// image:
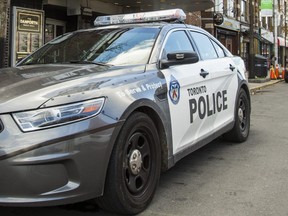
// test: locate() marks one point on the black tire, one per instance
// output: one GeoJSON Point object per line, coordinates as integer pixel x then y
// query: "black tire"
{"type": "Point", "coordinates": [240, 131]}
{"type": "Point", "coordinates": [134, 167]}
{"type": "Point", "coordinates": [286, 77]}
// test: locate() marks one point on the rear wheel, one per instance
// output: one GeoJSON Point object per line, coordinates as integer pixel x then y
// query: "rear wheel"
{"type": "Point", "coordinates": [134, 168]}
{"type": "Point", "coordinates": [240, 131]}
{"type": "Point", "coordinates": [286, 77]}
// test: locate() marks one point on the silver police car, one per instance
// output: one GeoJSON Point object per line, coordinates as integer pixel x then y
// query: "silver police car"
{"type": "Point", "coordinates": [99, 113]}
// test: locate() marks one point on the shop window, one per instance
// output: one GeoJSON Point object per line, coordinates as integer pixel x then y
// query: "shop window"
{"type": "Point", "coordinates": [229, 44]}
{"type": "Point", "coordinates": [53, 29]}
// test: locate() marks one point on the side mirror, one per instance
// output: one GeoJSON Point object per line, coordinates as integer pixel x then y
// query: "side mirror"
{"type": "Point", "coordinates": [179, 59]}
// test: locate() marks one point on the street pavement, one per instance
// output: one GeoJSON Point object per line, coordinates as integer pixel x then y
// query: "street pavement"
{"type": "Point", "coordinates": [259, 83]}
{"type": "Point", "coordinates": [255, 86]}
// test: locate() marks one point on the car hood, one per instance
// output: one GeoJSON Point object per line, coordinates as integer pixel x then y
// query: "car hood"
{"type": "Point", "coordinates": [29, 87]}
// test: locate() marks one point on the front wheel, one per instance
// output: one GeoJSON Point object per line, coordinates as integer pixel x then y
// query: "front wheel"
{"type": "Point", "coordinates": [240, 131]}
{"type": "Point", "coordinates": [134, 168]}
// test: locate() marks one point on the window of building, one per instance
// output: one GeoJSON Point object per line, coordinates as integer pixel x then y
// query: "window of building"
{"type": "Point", "coordinates": [244, 10]}
{"type": "Point", "coordinates": [54, 28]}
{"type": "Point", "coordinates": [226, 7]}
{"type": "Point", "coordinates": [230, 8]}
{"type": "Point", "coordinates": [219, 6]}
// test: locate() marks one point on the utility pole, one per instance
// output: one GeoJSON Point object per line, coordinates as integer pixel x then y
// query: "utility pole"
{"type": "Point", "coordinates": [4, 45]}
{"type": "Point", "coordinates": [251, 35]}
{"type": "Point", "coordinates": [285, 24]}
{"type": "Point", "coordinates": [3, 23]}
{"type": "Point", "coordinates": [275, 30]}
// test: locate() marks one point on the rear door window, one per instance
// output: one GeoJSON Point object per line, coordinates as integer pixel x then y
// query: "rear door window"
{"type": "Point", "coordinates": [205, 46]}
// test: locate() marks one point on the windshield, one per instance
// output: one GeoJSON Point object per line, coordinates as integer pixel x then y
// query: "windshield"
{"type": "Point", "coordinates": [124, 46]}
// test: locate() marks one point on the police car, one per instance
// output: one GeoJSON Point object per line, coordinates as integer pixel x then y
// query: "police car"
{"type": "Point", "coordinates": [99, 113]}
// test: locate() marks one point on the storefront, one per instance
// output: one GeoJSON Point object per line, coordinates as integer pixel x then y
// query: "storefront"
{"type": "Point", "coordinates": [262, 43]}
{"type": "Point", "coordinates": [228, 34]}
{"type": "Point", "coordinates": [266, 47]}
{"type": "Point", "coordinates": [281, 51]}
{"type": "Point", "coordinates": [32, 23]}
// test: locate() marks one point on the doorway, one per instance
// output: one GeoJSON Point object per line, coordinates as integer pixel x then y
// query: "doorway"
{"type": "Point", "coordinates": [54, 28]}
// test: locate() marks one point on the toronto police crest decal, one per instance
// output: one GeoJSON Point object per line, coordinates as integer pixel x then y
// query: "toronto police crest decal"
{"type": "Point", "coordinates": [174, 91]}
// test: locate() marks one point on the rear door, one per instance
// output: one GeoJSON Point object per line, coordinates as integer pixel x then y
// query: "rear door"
{"type": "Point", "coordinates": [223, 75]}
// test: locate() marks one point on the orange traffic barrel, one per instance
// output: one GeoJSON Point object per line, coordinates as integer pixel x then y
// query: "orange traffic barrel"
{"type": "Point", "coordinates": [277, 71]}
{"type": "Point", "coordinates": [272, 73]}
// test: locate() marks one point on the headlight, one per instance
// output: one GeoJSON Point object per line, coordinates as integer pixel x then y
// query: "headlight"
{"type": "Point", "coordinates": [55, 116]}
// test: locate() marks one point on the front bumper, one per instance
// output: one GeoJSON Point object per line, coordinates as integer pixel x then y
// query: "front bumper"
{"type": "Point", "coordinates": [54, 166]}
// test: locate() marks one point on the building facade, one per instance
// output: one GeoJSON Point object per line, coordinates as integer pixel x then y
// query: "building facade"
{"type": "Point", "coordinates": [240, 29]}
{"type": "Point", "coordinates": [28, 24]}
{"type": "Point", "coordinates": [244, 29]}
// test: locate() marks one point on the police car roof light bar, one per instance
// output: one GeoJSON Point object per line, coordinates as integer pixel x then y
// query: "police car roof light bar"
{"type": "Point", "coordinates": [153, 16]}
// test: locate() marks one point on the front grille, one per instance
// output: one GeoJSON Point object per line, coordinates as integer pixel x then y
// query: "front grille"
{"type": "Point", "coordinates": [1, 126]}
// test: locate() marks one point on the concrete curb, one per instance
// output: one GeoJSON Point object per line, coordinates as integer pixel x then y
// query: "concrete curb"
{"type": "Point", "coordinates": [259, 86]}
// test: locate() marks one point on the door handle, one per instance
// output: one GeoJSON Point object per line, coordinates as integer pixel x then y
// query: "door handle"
{"type": "Point", "coordinates": [204, 73]}
{"type": "Point", "coordinates": [232, 67]}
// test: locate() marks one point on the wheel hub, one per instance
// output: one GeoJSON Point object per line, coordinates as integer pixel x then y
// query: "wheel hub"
{"type": "Point", "coordinates": [135, 162]}
{"type": "Point", "coordinates": [240, 114]}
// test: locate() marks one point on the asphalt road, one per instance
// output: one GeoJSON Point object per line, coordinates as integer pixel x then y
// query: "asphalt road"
{"type": "Point", "coordinates": [223, 178]}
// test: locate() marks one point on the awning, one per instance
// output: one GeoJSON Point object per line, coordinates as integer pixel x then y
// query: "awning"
{"type": "Point", "coordinates": [281, 42]}
{"type": "Point", "coordinates": [230, 24]}
{"type": "Point", "coordinates": [267, 36]}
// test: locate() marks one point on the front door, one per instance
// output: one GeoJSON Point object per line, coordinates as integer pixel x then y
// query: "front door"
{"type": "Point", "coordinates": [187, 90]}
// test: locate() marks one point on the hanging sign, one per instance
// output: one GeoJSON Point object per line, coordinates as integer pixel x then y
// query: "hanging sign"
{"type": "Point", "coordinates": [218, 18]}
{"type": "Point", "coordinates": [266, 8]}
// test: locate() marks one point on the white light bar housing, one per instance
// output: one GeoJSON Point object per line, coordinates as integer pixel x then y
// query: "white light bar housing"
{"type": "Point", "coordinates": [153, 16]}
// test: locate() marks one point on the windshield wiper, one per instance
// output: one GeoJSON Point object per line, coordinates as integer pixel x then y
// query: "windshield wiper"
{"type": "Point", "coordinates": [88, 62]}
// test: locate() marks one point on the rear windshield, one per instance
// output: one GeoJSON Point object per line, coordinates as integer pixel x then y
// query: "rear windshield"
{"type": "Point", "coordinates": [125, 46]}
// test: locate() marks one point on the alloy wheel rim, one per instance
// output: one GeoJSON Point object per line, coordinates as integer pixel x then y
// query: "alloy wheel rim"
{"type": "Point", "coordinates": [242, 114]}
{"type": "Point", "coordinates": [137, 165]}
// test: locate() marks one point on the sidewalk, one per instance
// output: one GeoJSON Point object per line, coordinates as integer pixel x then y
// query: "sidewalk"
{"type": "Point", "coordinates": [255, 86]}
